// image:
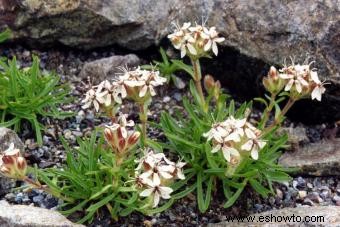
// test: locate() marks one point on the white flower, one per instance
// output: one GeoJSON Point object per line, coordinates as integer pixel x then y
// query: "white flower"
{"type": "Point", "coordinates": [157, 191]}
{"type": "Point", "coordinates": [121, 124]}
{"type": "Point", "coordinates": [254, 145]}
{"type": "Point", "coordinates": [294, 80]}
{"type": "Point", "coordinates": [197, 40]}
{"type": "Point", "coordinates": [179, 170]}
{"type": "Point", "coordinates": [213, 39]}
{"type": "Point", "coordinates": [155, 172]}
{"type": "Point", "coordinates": [319, 88]}
{"type": "Point", "coordinates": [233, 134]}
{"type": "Point", "coordinates": [92, 98]}
{"type": "Point", "coordinates": [139, 82]}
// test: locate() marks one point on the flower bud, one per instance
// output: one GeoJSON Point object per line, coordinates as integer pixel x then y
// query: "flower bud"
{"type": "Point", "coordinates": [133, 138]}
{"type": "Point", "coordinates": [273, 83]}
{"type": "Point", "coordinates": [209, 83]}
{"type": "Point", "coordinates": [12, 165]}
{"type": "Point", "coordinates": [108, 135]}
{"type": "Point", "coordinates": [273, 73]}
{"type": "Point", "coordinates": [22, 165]}
{"type": "Point", "coordinates": [217, 89]}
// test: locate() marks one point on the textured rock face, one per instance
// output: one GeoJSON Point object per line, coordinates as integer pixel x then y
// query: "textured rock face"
{"type": "Point", "coordinates": [268, 30]}
{"type": "Point", "coordinates": [318, 159]}
{"type": "Point", "coordinates": [21, 215]}
{"type": "Point", "coordinates": [106, 68]}
{"type": "Point", "coordinates": [313, 216]}
{"type": "Point", "coordinates": [7, 136]}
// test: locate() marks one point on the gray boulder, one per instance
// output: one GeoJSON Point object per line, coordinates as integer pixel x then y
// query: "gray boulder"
{"type": "Point", "coordinates": [22, 215]}
{"type": "Point", "coordinates": [318, 159]}
{"type": "Point", "coordinates": [106, 68]}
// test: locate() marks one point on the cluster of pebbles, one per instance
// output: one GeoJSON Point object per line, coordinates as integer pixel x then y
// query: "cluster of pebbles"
{"type": "Point", "coordinates": [302, 191]}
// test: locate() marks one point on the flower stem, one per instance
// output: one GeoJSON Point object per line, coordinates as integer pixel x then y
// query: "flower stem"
{"type": "Point", "coordinates": [143, 119]}
{"type": "Point", "coordinates": [278, 120]}
{"type": "Point", "coordinates": [197, 78]}
{"type": "Point", "coordinates": [268, 110]}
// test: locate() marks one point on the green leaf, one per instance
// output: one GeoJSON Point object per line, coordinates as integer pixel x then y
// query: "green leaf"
{"type": "Point", "coordinates": [99, 193]}
{"type": "Point", "coordinates": [277, 176]}
{"type": "Point", "coordinates": [258, 187]}
{"type": "Point", "coordinates": [235, 196]}
{"type": "Point", "coordinates": [101, 203]}
{"type": "Point", "coordinates": [183, 66]}
{"type": "Point", "coordinates": [5, 35]}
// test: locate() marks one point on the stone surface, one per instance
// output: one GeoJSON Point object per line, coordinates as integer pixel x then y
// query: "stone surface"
{"type": "Point", "coordinates": [318, 159]}
{"type": "Point", "coordinates": [21, 215]}
{"type": "Point", "coordinates": [320, 216]}
{"type": "Point", "coordinates": [8, 136]}
{"type": "Point", "coordinates": [106, 68]}
{"type": "Point", "coordinates": [268, 30]}
{"type": "Point", "coordinates": [296, 136]}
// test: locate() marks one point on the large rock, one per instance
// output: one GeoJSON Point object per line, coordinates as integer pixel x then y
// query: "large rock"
{"type": "Point", "coordinates": [299, 216]}
{"type": "Point", "coordinates": [268, 30]}
{"type": "Point", "coordinates": [106, 68]}
{"type": "Point", "coordinates": [22, 216]}
{"type": "Point", "coordinates": [318, 159]}
{"type": "Point", "coordinates": [8, 136]}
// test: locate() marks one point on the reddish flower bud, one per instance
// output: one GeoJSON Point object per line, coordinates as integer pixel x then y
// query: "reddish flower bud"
{"type": "Point", "coordinates": [209, 83]}
{"type": "Point", "coordinates": [108, 135]}
{"type": "Point", "coordinates": [22, 164]}
{"type": "Point", "coordinates": [122, 143]}
{"type": "Point", "coordinates": [273, 73]}
{"type": "Point", "coordinates": [133, 138]}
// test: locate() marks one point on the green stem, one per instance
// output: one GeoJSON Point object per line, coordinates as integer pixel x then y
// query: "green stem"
{"type": "Point", "coordinates": [278, 120]}
{"type": "Point", "coordinates": [268, 110]}
{"type": "Point", "coordinates": [143, 118]}
{"type": "Point", "coordinates": [197, 78]}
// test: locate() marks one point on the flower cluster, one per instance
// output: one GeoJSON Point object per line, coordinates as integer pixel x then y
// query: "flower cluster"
{"type": "Point", "coordinates": [196, 41]}
{"type": "Point", "coordinates": [154, 173]}
{"type": "Point", "coordinates": [299, 80]}
{"type": "Point", "coordinates": [139, 84]}
{"type": "Point", "coordinates": [119, 138]}
{"type": "Point", "coordinates": [235, 137]}
{"type": "Point", "coordinates": [103, 96]}
{"type": "Point", "coordinates": [12, 164]}
{"type": "Point", "coordinates": [136, 84]}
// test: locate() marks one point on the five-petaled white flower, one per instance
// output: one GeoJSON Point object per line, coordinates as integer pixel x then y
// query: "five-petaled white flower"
{"type": "Point", "coordinates": [157, 191]}
{"type": "Point", "coordinates": [212, 40]}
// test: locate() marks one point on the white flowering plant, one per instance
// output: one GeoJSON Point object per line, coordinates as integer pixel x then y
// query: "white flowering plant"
{"type": "Point", "coordinates": [119, 168]}
{"type": "Point", "coordinates": [214, 144]}
{"type": "Point", "coordinates": [223, 146]}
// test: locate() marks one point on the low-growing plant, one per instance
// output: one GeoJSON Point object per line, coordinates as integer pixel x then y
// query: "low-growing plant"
{"type": "Point", "coordinates": [219, 145]}
{"type": "Point", "coordinates": [219, 142]}
{"type": "Point", "coordinates": [28, 94]}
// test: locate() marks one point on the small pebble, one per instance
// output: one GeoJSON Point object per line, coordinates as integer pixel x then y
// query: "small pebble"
{"type": "Point", "coordinates": [166, 99]}
{"type": "Point", "coordinates": [302, 194]}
